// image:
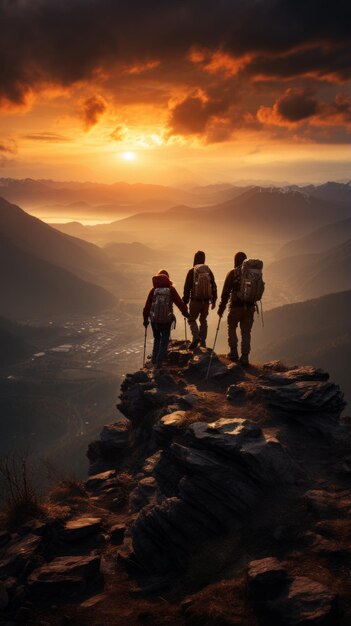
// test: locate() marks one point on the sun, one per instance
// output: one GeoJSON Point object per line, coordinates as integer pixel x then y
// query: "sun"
{"type": "Point", "coordinates": [128, 156]}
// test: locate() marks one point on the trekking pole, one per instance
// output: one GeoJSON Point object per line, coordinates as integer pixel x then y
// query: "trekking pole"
{"type": "Point", "coordinates": [186, 334]}
{"type": "Point", "coordinates": [214, 343]}
{"type": "Point", "coordinates": [262, 314]}
{"type": "Point", "coordinates": [144, 357]}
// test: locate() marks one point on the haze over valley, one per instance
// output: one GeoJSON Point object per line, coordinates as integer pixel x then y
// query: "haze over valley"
{"type": "Point", "coordinates": [72, 293]}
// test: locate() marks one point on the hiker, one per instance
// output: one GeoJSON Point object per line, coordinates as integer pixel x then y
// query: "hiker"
{"type": "Point", "coordinates": [159, 308]}
{"type": "Point", "coordinates": [200, 289]}
{"type": "Point", "coordinates": [244, 294]}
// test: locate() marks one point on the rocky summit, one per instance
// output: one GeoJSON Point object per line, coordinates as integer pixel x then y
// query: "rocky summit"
{"type": "Point", "coordinates": [218, 497]}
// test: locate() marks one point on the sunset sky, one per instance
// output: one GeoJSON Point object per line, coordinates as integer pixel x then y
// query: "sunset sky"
{"type": "Point", "coordinates": [175, 92]}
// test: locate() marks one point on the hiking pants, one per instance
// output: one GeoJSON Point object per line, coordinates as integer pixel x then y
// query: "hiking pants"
{"type": "Point", "coordinates": [243, 315]}
{"type": "Point", "coordinates": [198, 308]}
{"type": "Point", "coordinates": [161, 334]}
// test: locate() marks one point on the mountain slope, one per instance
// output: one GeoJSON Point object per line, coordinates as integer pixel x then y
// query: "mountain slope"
{"type": "Point", "coordinates": [32, 287]}
{"type": "Point", "coordinates": [275, 210]}
{"type": "Point", "coordinates": [35, 237]}
{"type": "Point", "coordinates": [318, 240]}
{"type": "Point", "coordinates": [134, 253]}
{"type": "Point", "coordinates": [13, 345]}
{"type": "Point", "coordinates": [313, 275]}
{"type": "Point", "coordinates": [315, 331]}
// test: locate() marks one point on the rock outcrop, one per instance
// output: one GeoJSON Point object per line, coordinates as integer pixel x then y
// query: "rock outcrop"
{"type": "Point", "coordinates": [240, 476]}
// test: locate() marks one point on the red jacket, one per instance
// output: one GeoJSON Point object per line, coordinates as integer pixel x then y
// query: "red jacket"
{"type": "Point", "coordinates": [162, 281]}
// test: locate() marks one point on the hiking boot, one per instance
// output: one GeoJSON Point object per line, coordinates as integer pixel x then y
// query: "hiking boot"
{"type": "Point", "coordinates": [244, 360]}
{"type": "Point", "coordinates": [195, 342]}
{"type": "Point", "coordinates": [233, 356]}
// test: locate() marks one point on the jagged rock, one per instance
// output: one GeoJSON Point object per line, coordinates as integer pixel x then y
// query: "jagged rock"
{"type": "Point", "coordinates": [168, 427]}
{"type": "Point", "coordinates": [323, 502]}
{"type": "Point", "coordinates": [305, 397]}
{"type": "Point", "coordinates": [81, 528]}
{"type": "Point", "coordinates": [223, 434]}
{"type": "Point", "coordinates": [4, 596]}
{"type": "Point", "coordinates": [200, 362]}
{"type": "Point", "coordinates": [320, 545]}
{"type": "Point", "coordinates": [154, 398]}
{"type": "Point", "coordinates": [235, 391]}
{"type": "Point", "coordinates": [98, 480]}
{"type": "Point", "coordinates": [37, 527]}
{"type": "Point", "coordinates": [115, 436]}
{"type": "Point", "coordinates": [94, 601]}
{"type": "Point", "coordinates": [191, 399]}
{"type": "Point", "coordinates": [306, 602]}
{"type": "Point", "coordinates": [277, 366]}
{"type": "Point", "coordinates": [151, 462]}
{"type": "Point", "coordinates": [5, 537]}
{"type": "Point", "coordinates": [179, 357]}
{"type": "Point", "coordinates": [140, 496]}
{"type": "Point", "coordinates": [297, 374]}
{"type": "Point", "coordinates": [65, 574]}
{"type": "Point", "coordinates": [110, 449]}
{"type": "Point", "coordinates": [117, 533]}
{"type": "Point", "coordinates": [267, 578]}
{"type": "Point", "coordinates": [132, 403]}
{"type": "Point", "coordinates": [17, 554]}
{"type": "Point", "coordinates": [142, 376]}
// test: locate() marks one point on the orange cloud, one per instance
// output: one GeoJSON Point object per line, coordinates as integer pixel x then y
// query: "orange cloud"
{"type": "Point", "coordinates": [296, 106]}
{"type": "Point", "coordinates": [91, 110]}
{"type": "Point", "coordinates": [219, 61]}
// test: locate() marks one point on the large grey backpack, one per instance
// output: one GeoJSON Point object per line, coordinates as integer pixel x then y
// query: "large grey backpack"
{"type": "Point", "coordinates": [202, 285]}
{"type": "Point", "coordinates": [251, 281]}
{"type": "Point", "coordinates": [161, 306]}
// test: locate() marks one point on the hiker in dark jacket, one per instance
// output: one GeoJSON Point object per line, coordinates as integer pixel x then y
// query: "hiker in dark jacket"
{"type": "Point", "coordinates": [159, 308]}
{"type": "Point", "coordinates": [199, 298]}
{"type": "Point", "coordinates": [239, 313]}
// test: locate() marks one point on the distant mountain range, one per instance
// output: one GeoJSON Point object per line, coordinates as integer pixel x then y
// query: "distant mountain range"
{"type": "Point", "coordinates": [86, 199]}
{"type": "Point", "coordinates": [134, 253]}
{"type": "Point", "coordinates": [257, 212]}
{"type": "Point", "coordinates": [76, 200]}
{"type": "Point", "coordinates": [315, 331]}
{"type": "Point", "coordinates": [318, 240]}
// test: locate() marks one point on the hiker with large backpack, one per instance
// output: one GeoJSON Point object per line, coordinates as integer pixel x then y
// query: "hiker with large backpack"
{"type": "Point", "coordinates": [244, 287]}
{"type": "Point", "coordinates": [200, 290]}
{"type": "Point", "coordinates": [159, 309]}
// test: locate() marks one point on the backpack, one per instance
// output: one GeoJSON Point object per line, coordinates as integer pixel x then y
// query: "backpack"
{"type": "Point", "coordinates": [251, 285]}
{"type": "Point", "coordinates": [202, 285]}
{"type": "Point", "coordinates": [161, 307]}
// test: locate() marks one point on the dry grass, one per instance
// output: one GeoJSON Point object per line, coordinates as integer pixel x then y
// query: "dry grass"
{"type": "Point", "coordinates": [67, 491]}
{"type": "Point", "coordinates": [224, 602]}
{"type": "Point", "coordinates": [21, 502]}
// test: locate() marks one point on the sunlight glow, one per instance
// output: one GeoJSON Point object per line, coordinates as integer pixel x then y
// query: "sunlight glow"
{"type": "Point", "coordinates": [129, 156]}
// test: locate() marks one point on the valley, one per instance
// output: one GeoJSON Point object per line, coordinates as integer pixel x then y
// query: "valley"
{"type": "Point", "coordinates": [55, 400]}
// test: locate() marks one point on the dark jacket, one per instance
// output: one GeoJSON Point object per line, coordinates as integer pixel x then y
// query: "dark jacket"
{"type": "Point", "coordinates": [188, 285]}
{"type": "Point", "coordinates": [230, 288]}
{"type": "Point", "coordinates": [162, 281]}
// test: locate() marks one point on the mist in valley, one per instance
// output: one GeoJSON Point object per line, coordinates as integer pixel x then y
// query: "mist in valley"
{"type": "Point", "coordinates": [73, 295]}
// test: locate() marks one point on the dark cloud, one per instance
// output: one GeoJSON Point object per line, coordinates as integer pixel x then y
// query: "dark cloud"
{"type": "Point", "coordinates": [91, 110]}
{"type": "Point", "coordinates": [337, 113]}
{"type": "Point", "coordinates": [295, 105]}
{"type": "Point", "coordinates": [47, 137]}
{"type": "Point", "coordinates": [46, 41]}
{"type": "Point", "coordinates": [191, 116]}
